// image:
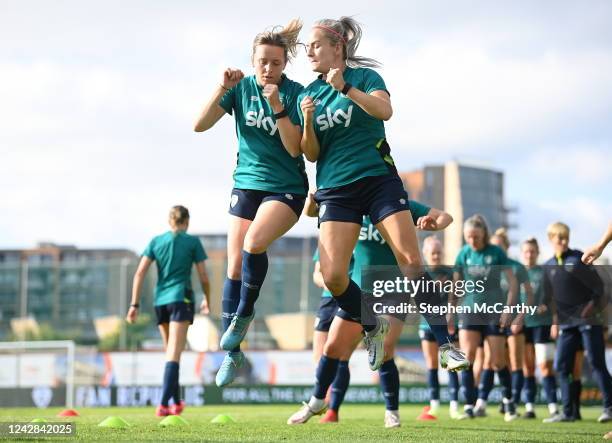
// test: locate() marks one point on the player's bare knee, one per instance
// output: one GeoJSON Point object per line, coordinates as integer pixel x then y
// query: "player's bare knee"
{"type": "Point", "coordinates": [333, 349]}
{"type": "Point", "coordinates": [407, 258]}
{"type": "Point", "coordinates": [255, 243]}
{"type": "Point", "coordinates": [335, 282]}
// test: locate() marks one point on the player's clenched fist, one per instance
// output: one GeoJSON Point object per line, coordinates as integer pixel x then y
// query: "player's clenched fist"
{"type": "Point", "coordinates": [231, 77]}
{"type": "Point", "coordinates": [270, 92]}
{"type": "Point", "coordinates": [335, 79]}
{"type": "Point", "coordinates": [308, 107]}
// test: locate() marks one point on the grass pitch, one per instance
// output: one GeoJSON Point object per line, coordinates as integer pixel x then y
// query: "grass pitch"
{"type": "Point", "coordinates": [357, 423]}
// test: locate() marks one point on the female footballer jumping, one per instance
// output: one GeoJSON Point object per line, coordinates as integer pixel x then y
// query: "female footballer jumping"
{"type": "Point", "coordinates": [270, 183]}
{"type": "Point", "coordinates": [342, 114]}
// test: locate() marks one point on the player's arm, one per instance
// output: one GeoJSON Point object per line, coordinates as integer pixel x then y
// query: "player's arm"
{"type": "Point", "coordinates": [377, 103]}
{"type": "Point", "coordinates": [435, 220]}
{"type": "Point", "coordinates": [309, 143]}
{"type": "Point", "coordinates": [512, 294]}
{"type": "Point", "coordinates": [549, 300]}
{"type": "Point", "coordinates": [530, 302]}
{"type": "Point", "coordinates": [212, 111]}
{"type": "Point", "coordinates": [290, 134]}
{"type": "Point", "coordinates": [593, 253]}
{"type": "Point", "coordinates": [139, 276]}
{"type": "Point", "coordinates": [205, 282]}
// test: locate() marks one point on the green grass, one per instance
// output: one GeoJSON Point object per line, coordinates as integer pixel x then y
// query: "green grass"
{"type": "Point", "coordinates": [358, 423]}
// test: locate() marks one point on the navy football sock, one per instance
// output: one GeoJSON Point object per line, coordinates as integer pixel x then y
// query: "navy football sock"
{"type": "Point", "coordinates": [168, 387]}
{"type": "Point", "coordinates": [350, 301]}
{"type": "Point", "coordinates": [453, 386]}
{"type": "Point", "coordinates": [505, 380]}
{"type": "Point", "coordinates": [530, 389]}
{"type": "Point", "coordinates": [487, 377]}
{"type": "Point", "coordinates": [434, 384]}
{"type": "Point", "coordinates": [229, 303]}
{"type": "Point", "coordinates": [518, 380]}
{"type": "Point", "coordinates": [326, 372]}
{"type": "Point", "coordinates": [254, 269]}
{"type": "Point", "coordinates": [340, 385]}
{"type": "Point", "coordinates": [389, 382]}
{"type": "Point", "coordinates": [467, 386]}
{"type": "Point", "coordinates": [550, 388]}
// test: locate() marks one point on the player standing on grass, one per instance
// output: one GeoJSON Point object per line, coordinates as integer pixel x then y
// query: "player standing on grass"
{"type": "Point", "coordinates": [516, 337]}
{"type": "Point", "coordinates": [577, 290]}
{"type": "Point", "coordinates": [174, 252]}
{"type": "Point", "coordinates": [343, 113]}
{"type": "Point", "coordinates": [540, 333]}
{"type": "Point", "coordinates": [480, 261]}
{"type": "Point", "coordinates": [345, 332]}
{"type": "Point", "coordinates": [270, 183]}
{"type": "Point", "coordinates": [433, 254]}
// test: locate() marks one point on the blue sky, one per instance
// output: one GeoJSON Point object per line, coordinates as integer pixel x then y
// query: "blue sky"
{"type": "Point", "coordinates": [98, 101]}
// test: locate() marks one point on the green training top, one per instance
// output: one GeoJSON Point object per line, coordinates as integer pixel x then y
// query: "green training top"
{"type": "Point", "coordinates": [351, 140]}
{"type": "Point", "coordinates": [485, 265]}
{"type": "Point", "coordinates": [536, 278]}
{"type": "Point", "coordinates": [520, 273]}
{"type": "Point", "coordinates": [263, 162]}
{"type": "Point", "coordinates": [174, 254]}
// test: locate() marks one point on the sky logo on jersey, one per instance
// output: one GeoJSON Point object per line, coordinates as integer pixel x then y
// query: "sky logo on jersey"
{"type": "Point", "coordinates": [339, 117]}
{"type": "Point", "coordinates": [370, 233]}
{"type": "Point", "coordinates": [259, 120]}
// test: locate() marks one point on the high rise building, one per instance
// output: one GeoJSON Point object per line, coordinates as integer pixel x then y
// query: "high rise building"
{"type": "Point", "coordinates": [461, 190]}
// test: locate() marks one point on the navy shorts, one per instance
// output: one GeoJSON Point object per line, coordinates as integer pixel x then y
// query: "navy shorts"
{"type": "Point", "coordinates": [345, 315]}
{"type": "Point", "coordinates": [537, 334]}
{"type": "Point", "coordinates": [486, 330]}
{"type": "Point", "coordinates": [178, 311]}
{"type": "Point", "coordinates": [245, 202]}
{"type": "Point", "coordinates": [378, 196]}
{"type": "Point", "coordinates": [326, 313]}
{"type": "Point", "coordinates": [427, 335]}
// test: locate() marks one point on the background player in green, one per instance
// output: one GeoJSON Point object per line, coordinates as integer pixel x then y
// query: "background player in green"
{"type": "Point", "coordinates": [343, 113]}
{"type": "Point", "coordinates": [345, 332]}
{"type": "Point", "coordinates": [174, 252]}
{"type": "Point", "coordinates": [433, 254]}
{"type": "Point", "coordinates": [540, 333]}
{"type": "Point", "coordinates": [270, 183]}
{"type": "Point", "coordinates": [515, 350]}
{"type": "Point", "coordinates": [479, 261]}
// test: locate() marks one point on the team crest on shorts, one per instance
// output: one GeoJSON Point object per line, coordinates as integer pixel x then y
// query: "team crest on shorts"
{"type": "Point", "coordinates": [403, 201]}
{"type": "Point", "coordinates": [322, 210]}
{"type": "Point", "coordinates": [289, 196]}
{"type": "Point", "coordinates": [234, 200]}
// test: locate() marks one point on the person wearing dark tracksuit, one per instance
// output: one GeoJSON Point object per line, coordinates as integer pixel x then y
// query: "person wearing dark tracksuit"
{"type": "Point", "coordinates": [577, 291]}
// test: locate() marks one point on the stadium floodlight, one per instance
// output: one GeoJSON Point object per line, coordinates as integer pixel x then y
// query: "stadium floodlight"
{"type": "Point", "coordinates": [19, 348]}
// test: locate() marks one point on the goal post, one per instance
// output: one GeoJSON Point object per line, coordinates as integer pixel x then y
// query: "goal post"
{"type": "Point", "coordinates": [21, 348]}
